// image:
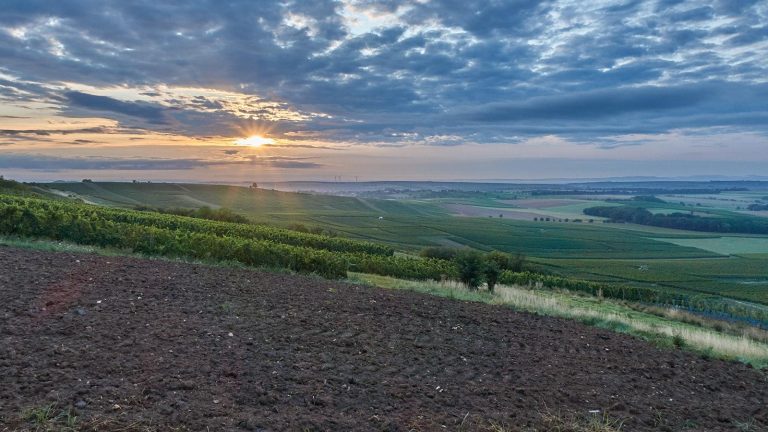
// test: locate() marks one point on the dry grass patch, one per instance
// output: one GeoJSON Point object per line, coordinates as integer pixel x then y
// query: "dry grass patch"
{"type": "Point", "coordinates": [669, 328]}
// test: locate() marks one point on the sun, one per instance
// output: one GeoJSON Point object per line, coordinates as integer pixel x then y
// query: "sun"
{"type": "Point", "coordinates": [254, 141]}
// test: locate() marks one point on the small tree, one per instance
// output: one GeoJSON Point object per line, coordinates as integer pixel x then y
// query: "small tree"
{"type": "Point", "coordinates": [471, 265]}
{"type": "Point", "coordinates": [495, 263]}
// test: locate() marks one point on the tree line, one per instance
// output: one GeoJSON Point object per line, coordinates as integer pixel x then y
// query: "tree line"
{"type": "Point", "coordinates": [685, 221]}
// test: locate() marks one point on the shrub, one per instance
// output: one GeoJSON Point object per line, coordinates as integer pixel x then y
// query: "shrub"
{"type": "Point", "coordinates": [515, 263]}
{"type": "Point", "coordinates": [439, 252]}
{"type": "Point", "coordinates": [470, 265]}
{"type": "Point", "coordinates": [298, 227]}
{"type": "Point", "coordinates": [491, 271]}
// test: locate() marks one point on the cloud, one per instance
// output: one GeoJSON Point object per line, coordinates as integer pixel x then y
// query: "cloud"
{"type": "Point", "coordinates": [387, 72]}
{"type": "Point", "coordinates": [48, 132]}
{"type": "Point", "coordinates": [55, 163]}
{"type": "Point", "coordinates": [150, 113]}
{"type": "Point", "coordinates": [594, 104]}
{"type": "Point", "coordinates": [301, 146]}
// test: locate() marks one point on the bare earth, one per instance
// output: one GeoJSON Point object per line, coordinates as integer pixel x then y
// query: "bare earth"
{"type": "Point", "coordinates": [542, 203]}
{"type": "Point", "coordinates": [134, 344]}
{"type": "Point", "coordinates": [474, 211]}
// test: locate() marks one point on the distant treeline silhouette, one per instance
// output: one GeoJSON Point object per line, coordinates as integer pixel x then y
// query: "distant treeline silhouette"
{"type": "Point", "coordinates": [685, 221]}
{"type": "Point", "coordinates": [634, 191]}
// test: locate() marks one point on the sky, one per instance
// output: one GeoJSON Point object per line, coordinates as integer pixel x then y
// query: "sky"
{"type": "Point", "coordinates": [241, 91]}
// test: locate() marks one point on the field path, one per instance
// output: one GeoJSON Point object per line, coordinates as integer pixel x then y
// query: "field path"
{"type": "Point", "coordinates": [144, 344]}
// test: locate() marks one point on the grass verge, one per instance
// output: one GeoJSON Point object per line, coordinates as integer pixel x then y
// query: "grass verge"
{"type": "Point", "coordinates": [616, 316]}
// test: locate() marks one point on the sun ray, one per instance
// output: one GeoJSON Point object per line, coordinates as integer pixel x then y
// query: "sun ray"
{"type": "Point", "coordinates": [254, 141]}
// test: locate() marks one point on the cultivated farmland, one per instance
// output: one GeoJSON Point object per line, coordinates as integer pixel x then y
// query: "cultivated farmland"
{"type": "Point", "coordinates": [409, 224]}
{"type": "Point", "coordinates": [137, 344]}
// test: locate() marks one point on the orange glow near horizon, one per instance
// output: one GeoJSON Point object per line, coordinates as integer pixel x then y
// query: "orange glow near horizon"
{"type": "Point", "coordinates": [254, 141]}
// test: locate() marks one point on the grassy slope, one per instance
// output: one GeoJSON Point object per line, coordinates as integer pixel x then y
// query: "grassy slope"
{"type": "Point", "coordinates": [409, 224]}
{"type": "Point", "coordinates": [592, 251]}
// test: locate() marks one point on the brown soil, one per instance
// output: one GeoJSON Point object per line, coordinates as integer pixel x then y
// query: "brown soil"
{"type": "Point", "coordinates": [474, 211]}
{"type": "Point", "coordinates": [136, 344]}
{"type": "Point", "coordinates": [542, 203]}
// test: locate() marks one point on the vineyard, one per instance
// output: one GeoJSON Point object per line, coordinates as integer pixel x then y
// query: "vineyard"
{"type": "Point", "coordinates": [168, 235]}
{"type": "Point", "coordinates": [180, 236]}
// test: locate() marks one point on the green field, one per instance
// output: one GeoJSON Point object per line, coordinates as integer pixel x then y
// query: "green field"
{"type": "Point", "coordinates": [737, 277]}
{"type": "Point", "coordinates": [730, 245]}
{"type": "Point", "coordinates": [675, 260]}
{"type": "Point", "coordinates": [731, 201]}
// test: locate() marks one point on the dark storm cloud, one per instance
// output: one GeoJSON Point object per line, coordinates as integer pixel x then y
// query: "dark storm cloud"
{"type": "Point", "coordinates": [598, 104]}
{"type": "Point", "coordinates": [514, 67]}
{"type": "Point", "coordinates": [150, 113]}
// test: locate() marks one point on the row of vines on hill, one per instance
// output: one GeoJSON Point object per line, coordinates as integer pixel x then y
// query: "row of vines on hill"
{"type": "Point", "coordinates": [143, 233]}
{"type": "Point", "coordinates": [174, 222]}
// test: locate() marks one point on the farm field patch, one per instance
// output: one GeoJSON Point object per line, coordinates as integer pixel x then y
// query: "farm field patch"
{"type": "Point", "coordinates": [726, 245]}
{"type": "Point", "coordinates": [737, 277]}
{"type": "Point", "coordinates": [477, 211]}
{"type": "Point", "coordinates": [543, 202]}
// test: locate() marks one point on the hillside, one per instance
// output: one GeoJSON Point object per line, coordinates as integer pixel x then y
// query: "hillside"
{"type": "Point", "coordinates": [252, 201]}
{"type": "Point", "coordinates": [563, 243]}
{"type": "Point", "coordinates": [130, 344]}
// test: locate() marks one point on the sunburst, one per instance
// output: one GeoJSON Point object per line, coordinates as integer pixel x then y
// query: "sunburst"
{"type": "Point", "coordinates": [254, 141]}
